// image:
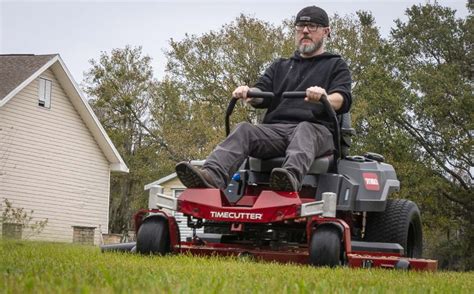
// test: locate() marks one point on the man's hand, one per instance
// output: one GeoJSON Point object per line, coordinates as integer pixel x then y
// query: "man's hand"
{"type": "Point", "coordinates": [313, 94]}
{"type": "Point", "coordinates": [241, 93]}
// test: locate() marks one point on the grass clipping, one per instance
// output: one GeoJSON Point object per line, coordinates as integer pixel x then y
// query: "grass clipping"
{"type": "Point", "coordinates": [27, 267]}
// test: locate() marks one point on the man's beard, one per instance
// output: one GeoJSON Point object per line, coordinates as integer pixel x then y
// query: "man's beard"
{"type": "Point", "coordinates": [310, 48]}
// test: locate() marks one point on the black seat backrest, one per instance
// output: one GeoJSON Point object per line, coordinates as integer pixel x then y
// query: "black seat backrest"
{"type": "Point", "coordinates": [347, 132]}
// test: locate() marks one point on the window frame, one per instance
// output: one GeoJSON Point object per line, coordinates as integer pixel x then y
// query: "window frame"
{"type": "Point", "coordinates": [174, 190]}
{"type": "Point", "coordinates": [45, 89]}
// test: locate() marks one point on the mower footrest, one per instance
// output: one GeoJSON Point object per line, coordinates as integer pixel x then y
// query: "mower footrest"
{"type": "Point", "coordinates": [394, 248]}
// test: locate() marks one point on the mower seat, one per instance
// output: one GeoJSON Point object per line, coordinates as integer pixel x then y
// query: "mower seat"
{"type": "Point", "coordinates": [320, 165]}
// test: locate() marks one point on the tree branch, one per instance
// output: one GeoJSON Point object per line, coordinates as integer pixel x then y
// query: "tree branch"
{"type": "Point", "coordinates": [173, 156]}
{"type": "Point", "coordinates": [407, 126]}
{"type": "Point", "coordinates": [465, 204]}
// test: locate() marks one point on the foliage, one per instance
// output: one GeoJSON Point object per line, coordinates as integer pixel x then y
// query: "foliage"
{"type": "Point", "coordinates": [12, 215]}
{"type": "Point", "coordinates": [120, 84]}
{"type": "Point", "coordinates": [210, 66]}
{"type": "Point", "coordinates": [436, 72]}
{"type": "Point", "coordinates": [29, 267]}
{"type": "Point", "coordinates": [202, 71]}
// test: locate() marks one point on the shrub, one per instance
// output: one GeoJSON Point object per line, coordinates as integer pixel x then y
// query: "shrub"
{"type": "Point", "coordinates": [19, 220]}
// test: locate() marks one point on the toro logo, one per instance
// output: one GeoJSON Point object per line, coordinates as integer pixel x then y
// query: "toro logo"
{"type": "Point", "coordinates": [371, 181]}
{"type": "Point", "coordinates": [236, 215]}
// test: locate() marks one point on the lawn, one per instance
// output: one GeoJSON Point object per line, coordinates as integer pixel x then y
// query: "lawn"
{"type": "Point", "coordinates": [27, 267]}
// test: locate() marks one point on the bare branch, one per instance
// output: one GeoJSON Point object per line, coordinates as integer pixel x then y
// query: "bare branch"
{"type": "Point", "coordinates": [159, 140]}
{"type": "Point", "coordinates": [408, 127]}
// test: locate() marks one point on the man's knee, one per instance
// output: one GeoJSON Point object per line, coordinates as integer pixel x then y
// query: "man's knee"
{"type": "Point", "coordinates": [243, 127]}
{"type": "Point", "coordinates": [305, 126]}
{"type": "Point", "coordinates": [312, 128]}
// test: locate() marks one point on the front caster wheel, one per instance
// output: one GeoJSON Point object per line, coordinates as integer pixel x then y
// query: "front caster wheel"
{"type": "Point", "coordinates": [153, 237]}
{"type": "Point", "coordinates": [325, 247]}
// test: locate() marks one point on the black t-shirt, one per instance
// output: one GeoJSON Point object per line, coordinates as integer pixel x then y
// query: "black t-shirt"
{"type": "Point", "coordinates": [328, 71]}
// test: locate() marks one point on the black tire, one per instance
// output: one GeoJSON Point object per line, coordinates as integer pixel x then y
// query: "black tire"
{"type": "Point", "coordinates": [153, 236]}
{"type": "Point", "coordinates": [325, 247]}
{"type": "Point", "coordinates": [399, 223]}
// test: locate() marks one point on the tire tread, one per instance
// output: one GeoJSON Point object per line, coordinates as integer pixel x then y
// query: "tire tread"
{"type": "Point", "coordinates": [391, 225]}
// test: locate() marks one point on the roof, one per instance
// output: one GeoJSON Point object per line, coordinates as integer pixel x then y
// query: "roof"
{"type": "Point", "coordinates": [15, 69]}
{"type": "Point", "coordinates": [171, 176]}
{"type": "Point", "coordinates": [19, 70]}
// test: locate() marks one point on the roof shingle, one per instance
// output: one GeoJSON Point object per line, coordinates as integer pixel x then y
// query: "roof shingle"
{"type": "Point", "coordinates": [16, 68]}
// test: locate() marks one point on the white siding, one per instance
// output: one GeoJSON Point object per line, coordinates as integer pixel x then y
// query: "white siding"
{"type": "Point", "coordinates": [49, 162]}
{"type": "Point", "coordinates": [182, 221]}
{"type": "Point", "coordinates": [168, 188]}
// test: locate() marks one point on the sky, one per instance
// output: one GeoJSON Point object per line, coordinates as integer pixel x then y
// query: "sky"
{"type": "Point", "coordinates": [80, 30]}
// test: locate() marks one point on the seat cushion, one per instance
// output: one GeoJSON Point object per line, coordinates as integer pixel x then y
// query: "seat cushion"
{"type": "Point", "coordinates": [320, 165]}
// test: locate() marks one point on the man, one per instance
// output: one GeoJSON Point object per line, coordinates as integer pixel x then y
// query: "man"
{"type": "Point", "coordinates": [298, 129]}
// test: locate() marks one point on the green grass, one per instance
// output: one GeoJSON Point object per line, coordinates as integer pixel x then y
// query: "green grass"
{"type": "Point", "coordinates": [27, 267]}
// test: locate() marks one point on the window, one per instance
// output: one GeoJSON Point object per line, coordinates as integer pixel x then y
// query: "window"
{"type": "Point", "coordinates": [177, 192]}
{"type": "Point", "coordinates": [44, 93]}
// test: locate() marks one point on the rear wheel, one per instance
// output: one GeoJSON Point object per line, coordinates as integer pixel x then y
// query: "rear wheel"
{"type": "Point", "coordinates": [153, 236]}
{"type": "Point", "coordinates": [325, 247]}
{"type": "Point", "coordinates": [399, 223]}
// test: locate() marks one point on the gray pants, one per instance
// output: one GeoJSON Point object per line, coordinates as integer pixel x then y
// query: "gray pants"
{"type": "Point", "coordinates": [298, 143]}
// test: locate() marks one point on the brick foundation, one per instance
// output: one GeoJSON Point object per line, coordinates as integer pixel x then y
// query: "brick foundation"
{"type": "Point", "coordinates": [12, 231]}
{"type": "Point", "coordinates": [83, 235]}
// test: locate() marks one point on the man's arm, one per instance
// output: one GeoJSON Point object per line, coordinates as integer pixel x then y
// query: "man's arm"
{"type": "Point", "coordinates": [339, 88]}
{"type": "Point", "coordinates": [336, 100]}
{"type": "Point", "coordinates": [341, 84]}
{"type": "Point", "coordinates": [313, 94]}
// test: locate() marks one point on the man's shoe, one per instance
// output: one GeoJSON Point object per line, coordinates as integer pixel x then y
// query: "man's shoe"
{"type": "Point", "coordinates": [192, 177]}
{"type": "Point", "coordinates": [283, 180]}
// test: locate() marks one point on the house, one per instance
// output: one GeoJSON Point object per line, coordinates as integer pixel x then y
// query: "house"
{"type": "Point", "coordinates": [55, 157]}
{"type": "Point", "coordinates": [172, 186]}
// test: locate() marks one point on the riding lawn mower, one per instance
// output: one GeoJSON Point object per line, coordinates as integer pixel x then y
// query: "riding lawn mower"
{"type": "Point", "coordinates": [341, 216]}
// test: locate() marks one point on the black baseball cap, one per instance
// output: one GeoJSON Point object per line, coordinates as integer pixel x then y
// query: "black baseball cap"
{"type": "Point", "coordinates": [313, 14]}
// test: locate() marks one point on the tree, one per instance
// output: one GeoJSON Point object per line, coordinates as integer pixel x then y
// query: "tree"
{"type": "Point", "coordinates": [121, 84]}
{"type": "Point", "coordinates": [413, 103]}
{"type": "Point", "coordinates": [435, 67]}
{"type": "Point", "coordinates": [188, 108]}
